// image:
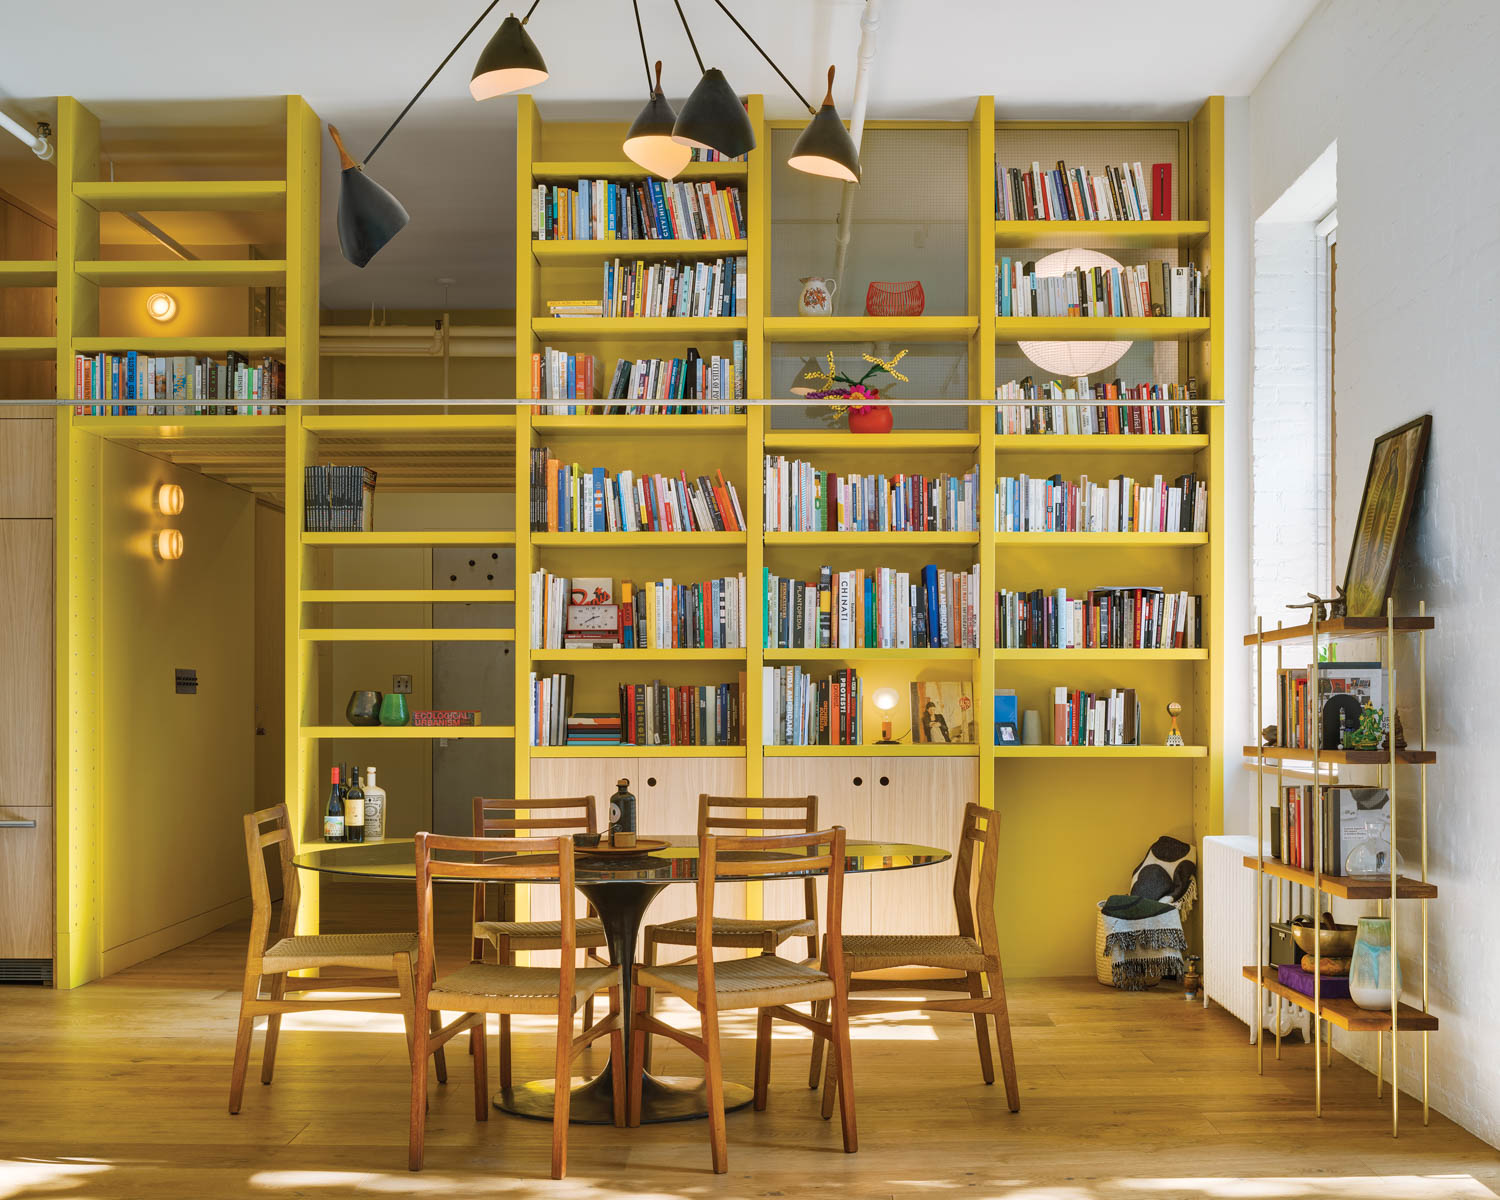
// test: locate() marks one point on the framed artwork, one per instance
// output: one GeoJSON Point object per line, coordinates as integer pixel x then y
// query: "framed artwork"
{"type": "Point", "coordinates": [1391, 486]}
{"type": "Point", "coordinates": [942, 713]}
{"type": "Point", "coordinates": [1006, 734]}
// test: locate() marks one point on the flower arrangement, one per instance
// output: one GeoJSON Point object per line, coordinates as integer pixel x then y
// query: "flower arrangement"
{"type": "Point", "coordinates": [859, 395]}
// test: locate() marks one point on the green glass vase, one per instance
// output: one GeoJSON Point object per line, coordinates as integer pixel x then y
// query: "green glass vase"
{"type": "Point", "coordinates": [393, 710]}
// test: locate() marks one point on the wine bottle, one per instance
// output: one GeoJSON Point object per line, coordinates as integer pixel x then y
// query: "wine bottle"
{"type": "Point", "coordinates": [333, 815]}
{"type": "Point", "coordinates": [374, 807]}
{"type": "Point", "coordinates": [354, 809]}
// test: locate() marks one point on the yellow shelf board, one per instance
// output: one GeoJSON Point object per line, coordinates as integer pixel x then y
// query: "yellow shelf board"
{"type": "Point", "coordinates": [462, 537]}
{"type": "Point", "coordinates": [1099, 233]}
{"type": "Point", "coordinates": [27, 347]}
{"type": "Point", "coordinates": [657, 328]}
{"type": "Point", "coordinates": [914, 658]}
{"type": "Point", "coordinates": [636, 654]}
{"type": "Point", "coordinates": [1095, 443]}
{"type": "Point", "coordinates": [871, 749]}
{"type": "Point", "coordinates": [1097, 540]}
{"type": "Point", "coordinates": [36, 272]}
{"type": "Point", "coordinates": [636, 751]}
{"type": "Point", "coordinates": [865, 443]}
{"type": "Point", "coordinates": [874, 539]}
{"type": "Point", "coordinates": [406, 596]}
{"type": "Point", "coordinates": [247, 272]}
{"type": "Point", "coordinates": [404, 732]}
{"type": "Point", "coordinates": [1097, 654]}
{"type": "Point", "coordinates": [183, 195]}
{"type": "Point", "coordinates": [250, 346]}
{"type": "Point", "coordinates": [613, 541]}
{"type": "Point", "coordinates": [870, 329]}
{"type": "Point", "coordinates": [140, 427]}
{"type": "Point", "coordinates": [428, 634]}
{"type": "Point", "coordinates": [1343, 1012]}
{"type": "Point", "coordinates": [1347, 887]}
{"type": "Point", "coordinates": [1100, 329]}
{"type": "Point", "coordinates": [569, 248]}
{"type": "Point", "coordinates": [652, 425]}
{"type": "Point", "coordinates": [438, 422]}
{"type": "Point", "coordinates": [622, 168]}
{"type": "Point", "coordinates": [1100, 752]}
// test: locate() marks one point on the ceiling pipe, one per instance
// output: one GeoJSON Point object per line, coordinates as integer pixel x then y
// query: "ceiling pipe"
{"type": "Point", "coordinates": [869, 21]}
{"type": "Point", "coordinates": [37, 142]}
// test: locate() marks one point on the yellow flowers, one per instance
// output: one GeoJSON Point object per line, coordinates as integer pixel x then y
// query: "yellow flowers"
{"type": "Point", "coordinates": [888, 367]}
{"type": "Point", "coordinates": [826, 378]}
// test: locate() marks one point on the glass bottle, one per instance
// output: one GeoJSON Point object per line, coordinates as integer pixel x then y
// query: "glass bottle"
{"type": "Point", "coordinates": [333, 815]}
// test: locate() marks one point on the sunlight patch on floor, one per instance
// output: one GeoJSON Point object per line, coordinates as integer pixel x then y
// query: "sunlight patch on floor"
{"type": "Point", "coordinates": [1318, 1187]}
{"type": "Point", "coordinates": [28, 1178]}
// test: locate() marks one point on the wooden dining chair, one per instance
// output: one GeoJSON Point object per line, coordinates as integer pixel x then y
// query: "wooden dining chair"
{"type": "Point", "coordinates": [549, 818]}
{"type": "Point", "coordinates": [974, 952]}
{"type": "Point", "coordinates": [764, 982]}
{"type": "Point", "coordinates": [271, 964]}
{"type": "Point", "coordinates": [480, 988]}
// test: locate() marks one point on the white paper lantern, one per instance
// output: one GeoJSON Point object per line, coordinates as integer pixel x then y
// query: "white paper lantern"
{"type": "Point", "coordinates": [1071, 359]}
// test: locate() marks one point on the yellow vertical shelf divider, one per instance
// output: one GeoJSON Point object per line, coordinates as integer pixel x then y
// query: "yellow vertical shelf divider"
{"type": "Point", "coordinates": [304, 158]}
{"type": "Point", "coordinates": [757, 421]}
{"type": "Point", "coordinates": [982, 380]}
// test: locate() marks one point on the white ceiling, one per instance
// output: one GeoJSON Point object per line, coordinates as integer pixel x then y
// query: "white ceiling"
{"type": "Point", "coordinates": [451, 162]}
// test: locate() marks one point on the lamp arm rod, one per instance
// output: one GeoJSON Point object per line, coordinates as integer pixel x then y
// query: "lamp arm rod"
{"type": "Point", "coordinates": [645, 58]}
{"type": "Point", "coordinates": [402, 116]}
{"type": "Point", "coordinates": [767, 57]}
{"type": "Point", "coordinates": [688, 30]}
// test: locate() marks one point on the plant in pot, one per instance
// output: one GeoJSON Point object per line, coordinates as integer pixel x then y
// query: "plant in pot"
{"type": "Point", "coordinates": [859, 396]}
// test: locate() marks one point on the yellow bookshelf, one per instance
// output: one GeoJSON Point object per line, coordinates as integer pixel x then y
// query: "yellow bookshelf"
{"type": "Point", "coordinates": [1104, 234]}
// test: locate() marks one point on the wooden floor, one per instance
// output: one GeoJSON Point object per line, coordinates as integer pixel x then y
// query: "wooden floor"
{"type": "Point", "coordinates": [118, 1089]}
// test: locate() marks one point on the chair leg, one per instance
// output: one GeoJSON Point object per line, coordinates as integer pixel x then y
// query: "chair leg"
{"type": "Point", "coordinates": [418, 1130]}
{"type": "Point", "coordinates": [481, 1074]}
{"type": "Point", "coordinates": [407, 988]}
{"type": "Point", "coordinates": [506, 957]}
{"type": "Point", "coordinates": [762, 1057]}
{"type": "Point", "coordinates": [588, 1001]}
{"type": "Point", "coordinates": [1002, 1037]}
{"type": "Point", "coordinates": [562, 1095]}
{"type": "Point", "coordinates": [439, 1061]}
{"type": "Point", "coordinates": [639, 1002]}
{"type": "Point", "coordinates": [830, 1079]}
{"type": "Point", "coordinates": [982, 1029]}
{"type": "Point", "coordinates": [617, 1066]}
{"type": "Point", "coordinates": [819, 1013]}
{"type": "Point", "coordinates": [644, 1058]}
{"type": "Point", "coordinates": [273, 1030]}
{"type": "Point", "coordinates": [713, 1075]}
{"type": "Point", "coordinates": [242, 1036]}
{"type": "Point", "coordinates": [842, 1052]}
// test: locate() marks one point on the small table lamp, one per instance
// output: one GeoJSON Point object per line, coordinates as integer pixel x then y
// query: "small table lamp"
{"type": "Point", "coordinates": [885, 699]}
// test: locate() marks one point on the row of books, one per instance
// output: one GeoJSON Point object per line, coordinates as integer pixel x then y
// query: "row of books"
{"type": "Point", "coordinates": [338, 499]}
{"type": "Point", "coordinates": [1136, 291]}
{"type": "Point", "coordinates": [581, 613]}
{"type": "Point", "coordinates": [1029, 504]}
{"type": "Point", "coordinates": [1351, 817]}
{"type": "Point", "coordinates": [559, 375]}
{"type": "Point", "coordinates": [179, 410]}
{"type": "Point", "coordinates": [1021, 419]}
{"type": "Point", "coordinates": [658, 714]}
{"type": "Point", "coordinates": [715, 288]}
{"type": "Point", "coordinates": [567, 498]}
{"type": "Point", "coordinates": [798, 710]}
{"type": "Point", "coordinates": [1077, 194]}
{"type": "Point", "coordinates": [643, 209]}
{"type": "Point", "coordinates": [1316, 705]}
{"type": "Point", "coordinates": [1114, 618]}
{"type": "Point", "coordinates": [637, 410]}
{"type": "Point", "coordinates": [802, 498]}
{"type": "Point", "coordinates": [1084, 718]}
{"type": "Point", "coordinates": [879, 609]}
{"type": "Point", "coordinates": [132, 376]}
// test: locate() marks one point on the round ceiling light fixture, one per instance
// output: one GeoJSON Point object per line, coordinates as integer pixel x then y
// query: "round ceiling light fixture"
{"type": "Point", "coordinates": [161, 306]}
{"type": "Point", "coordinates": [1072, 359]}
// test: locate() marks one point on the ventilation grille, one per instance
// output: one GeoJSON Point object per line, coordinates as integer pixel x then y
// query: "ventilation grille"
{"type": "Point", "coordinates": [26, 970]}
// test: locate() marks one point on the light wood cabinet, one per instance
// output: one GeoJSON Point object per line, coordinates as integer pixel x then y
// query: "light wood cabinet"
{"type": "Point", "coordinates": [26, 469]}
{"type": "Point", "coordinates": [919, 801]}
{"type": "Point", "coordinates": [26, 891]}
{"type": "Point", "coordinates": [842, 786]}
{"type": "Point", "coordinates": [26, 661]}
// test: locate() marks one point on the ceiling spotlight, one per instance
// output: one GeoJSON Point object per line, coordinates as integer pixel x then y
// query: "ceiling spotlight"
{"type": "Point", "coordinates": [169, 499]}
{"type": "Point", "coordinates": [650, 143]}
{"type": "Point", "coordinates": [825, 147]}
{"type": "Point", "coordinates": [161, 306]}
{"type": "Point", "coordinates": [509, 62]}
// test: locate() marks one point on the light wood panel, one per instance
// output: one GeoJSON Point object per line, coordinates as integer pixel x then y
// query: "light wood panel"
{"type": "Point", "coordinates": [26, 236]}
{"type": "Point", "coordinates": [843, 787]}
{"type": "Point", "coordinates": [26, 883]}
{"type": "Point", "coordinates": [26, 469]}
{"type": "Point", "coordinates": [26, 663]}
{"type": "Point", "coordinates": [919, 801]}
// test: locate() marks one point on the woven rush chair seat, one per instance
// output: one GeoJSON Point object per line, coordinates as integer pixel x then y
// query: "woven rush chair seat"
{"type": "Point", "coordinates": [744, 982]}
{"type": "Point", "coordinates": [873, 952]}
{"type": "Point", "coordinates": [338, 950]}
{"type": "Point", "coordinates": [539, 935]}
{"type": "Point", "coordinates": [520, 989]}
{"type": "Point", "coordinates": [735, 931]}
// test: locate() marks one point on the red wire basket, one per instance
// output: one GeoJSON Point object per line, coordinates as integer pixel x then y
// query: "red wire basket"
{"type": "Point", "coordinates": [895, 299]}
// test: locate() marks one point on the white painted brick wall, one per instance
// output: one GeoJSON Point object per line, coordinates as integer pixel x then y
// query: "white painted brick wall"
{"type": "Point", "coordinates": [1409, 91]}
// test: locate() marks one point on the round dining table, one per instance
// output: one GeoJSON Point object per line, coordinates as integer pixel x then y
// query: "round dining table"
{"type": "Point", "coordinates": [621, 887]}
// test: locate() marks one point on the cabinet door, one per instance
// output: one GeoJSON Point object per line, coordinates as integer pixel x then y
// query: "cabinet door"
{"type": "Point", "coordinates": [919, 800]}
{"type": "Point", "coordinates": [26, 893]}
{"type": "Point", "coordinates": [26, 465]}
{"type": "Point", "coordinates": [26, 660]}
{"type": "Point", "coordinates": [842, 786]}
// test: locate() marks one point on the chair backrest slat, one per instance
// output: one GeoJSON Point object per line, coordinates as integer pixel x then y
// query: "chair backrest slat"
{"type": "Point", "coordinates": [257, 842]}
{"type": "Point", "coordinates": [732, 814]}
{"type": "Point", "coordinates": [575, 814]}
{"type": "Point", "coordinates": [974, 899]}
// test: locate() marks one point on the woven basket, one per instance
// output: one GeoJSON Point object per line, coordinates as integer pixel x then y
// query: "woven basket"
{"type": "Point", "coordinates": [1102, 971]}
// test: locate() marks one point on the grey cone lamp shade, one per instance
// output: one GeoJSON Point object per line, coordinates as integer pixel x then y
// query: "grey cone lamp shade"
{"type": "Point", "coordinates": [650, 144]}
{"type": "Point", "coordinates": [714, 119]}
{"type": "Point", "coordinates": [825, 147]}
{"type": "Point", "coordinates": [369, 216]}
{"type": "Point", "coordinates": [509, 62]}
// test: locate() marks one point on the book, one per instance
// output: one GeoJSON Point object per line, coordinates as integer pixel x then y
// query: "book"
{"type": "Point", "coordinates": [1030, 192]}
{"type": "Point", "coordinates": [1029, 504]}
{"type": "Point", "coordinates": [934, 608]}
{"type": "Point", "coordinates": [338, 499]}
{"type": "Point", "coordinates": [1085, 718]}
{"type": "Point", "coordinates": [129, 383]}
{"type": "Point", "coordinates": [644, 209]}
{"type": "Point", "coordinates": [1127, 618]}
{"type": "Point", "coordinates": [560, 375]}
{"type": "Point", "coordinates": [657, 714]}
{"type": "Point", "coordinates": [1085, 407]}
{"type": "Point", "coordinates": [637, 288]}
{"type": "Point", "coordinates": [942, 713]}
{"type": "Point", "coordinates": [803, 498]}
{"type": "Point", "coordinates": [799, 710]}
{"type": "Point", "coordinates": [568, 498]}
{"type": "Point", "coordinates": [1116, 291]}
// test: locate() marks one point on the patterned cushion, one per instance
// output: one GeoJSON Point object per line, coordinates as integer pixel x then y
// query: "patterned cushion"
{"type": "Point", "coordinates": [1168, 873]}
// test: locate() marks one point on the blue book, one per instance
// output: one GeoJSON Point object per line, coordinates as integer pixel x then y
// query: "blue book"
{"type": "Point", "coordinates": [599, 486]}
{"type": "Point", "coordinates": [934, 625]}
{"type": "Point", "coordinates": [1005, 273]}
{"type": "Point", "coordinates": [871, 639]}
{"type": "Point", "coordinates": [131, 390]}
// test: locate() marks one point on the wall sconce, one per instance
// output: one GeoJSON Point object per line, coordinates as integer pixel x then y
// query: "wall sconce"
{"type": "Point", "coordinates": [161, 306]}
{"type": "Point", "coordinates": [885, 699]}
{"type": "Point", "coordinates": [169, 499]}
{"type": "Point", "coordinates": [169, 544]}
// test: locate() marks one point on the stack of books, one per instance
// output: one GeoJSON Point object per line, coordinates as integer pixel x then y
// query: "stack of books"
{"type": "Point", "coordinates": [801, 498]}
{"type": "Point", "coordinates": [798, 710]}
{"type": "Point", "coordinates": [567, 498]}
{"type": "Point", "coordinates": [338, 499]}
{"type": "Point", "coordinates": [1081, 718]}
{"type": "Point", "coordinates": [551, 706]}
{"type": "Point", "coordinates": [1115, 618]}
{"type": "Point", "coordinates": [880, 609]}
{"type": "Point", "coordinates": [594, 729]}
{"type": "Point", "coordinates": [1027, 504]}
{"type": "Point", "coordinates": [649, 209]}
{"type": "Point", "coordinates": [1076, 194]}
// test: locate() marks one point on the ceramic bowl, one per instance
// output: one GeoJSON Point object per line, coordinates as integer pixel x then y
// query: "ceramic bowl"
{"type": "Point", "coordinates": [1334, 942]}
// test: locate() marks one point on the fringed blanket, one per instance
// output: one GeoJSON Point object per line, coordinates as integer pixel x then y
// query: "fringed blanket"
{"type": "Point", "coordinates": [1144, 941]}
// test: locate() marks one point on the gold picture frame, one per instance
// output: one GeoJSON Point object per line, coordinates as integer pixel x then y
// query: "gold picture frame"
{"type": "Point", "coordinates": [1390, 494]}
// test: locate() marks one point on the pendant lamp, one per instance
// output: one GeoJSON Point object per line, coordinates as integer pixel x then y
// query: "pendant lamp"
{"type": "Point", "coordinates": [825, 147]}
{"type": "Point", "coordinates": [649, 143]}
{"type": "Point", "coordinates": [369, 216]}
{"type": "Point", "coordinates": [508, 63]}
{"type": "Point", "coordinates": [714, 119]}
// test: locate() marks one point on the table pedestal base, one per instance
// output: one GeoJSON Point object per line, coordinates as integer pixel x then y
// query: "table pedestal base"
{"type": "Point", "coordinates": [663, 1098]}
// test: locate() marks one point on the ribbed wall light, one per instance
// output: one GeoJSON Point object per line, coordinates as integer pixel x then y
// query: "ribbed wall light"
{"type": "Point", "coordinates": [509, 62]}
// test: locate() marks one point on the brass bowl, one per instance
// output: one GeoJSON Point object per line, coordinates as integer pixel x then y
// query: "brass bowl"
{"type": "Point", "coordinates": [1335, 942]}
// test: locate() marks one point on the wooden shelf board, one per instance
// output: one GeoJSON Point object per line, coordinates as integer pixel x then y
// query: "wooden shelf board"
{"type": "Point", "coordinates": [252, 347]}
{"type": "Point", "coordinates": [871, 749]}
{"type": "Point", "coordinates": [576, 169]}
{"type": "Point", "coordinates": [184, 195]}
{"type": "Point", "coordinates": [875, 538]}
{"type": "Point", "coordinates": [901, 441]}
{"type": "Point", "coordinates": [646, 425]}
{"type": "Point", "coordinates": [870, 329]}
{"type": "Point", "coordinates": [1343, 627]}
{"type": "Point", "coordinates": [915, 658]}
{"type": "Point", "coordinates": [1099, 233]}
{"type": "Point", "coordinates": [571, 248]}
{"type": "Point", "coordinates": [636, 751]}
{"type": "Point", "coordinates": [1372, 758]}
{"type": "Point", "coordinates": [613, 541]}
{"type": "Point", "coordinates": [1345, 1013]}
{"type": "Point", "coordinates": [1348, 887]}
{"type": "Point", "coordinates": [574, 329]}
{"type": "Point", "coordinates": [248, 272]}
{"type": "Point", "coordinates": [1100, 329]}
{"type": "Point", "coordinates": [446, 423]}
{"type": "Point", "coordinates": [635, 654]}
{"type": "Point", "coordinates": [1097, 654]}
{"type": "Point", "coordinates": [428, 634]}
{"type": "Point", "coordinates": [28, 347]}
{"type": "Point", "coordinates": [35, 272]}
{"type": "Point", "coordinates": [406, 596]}
{"type": "Point", "coordinates": [404, 732]}
{"type": "Point", "coordinates": [1159, 540]}
{"type": "Point", "coordinates": [464, 537]}
{"type": "Point", "coordinates": [1097, 443]}
{"type": "Point", "coordinates": [1002, 752]}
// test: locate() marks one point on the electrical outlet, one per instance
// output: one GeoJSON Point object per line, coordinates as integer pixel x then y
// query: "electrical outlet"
{"type": "Point", "coordinates": [401, 685]}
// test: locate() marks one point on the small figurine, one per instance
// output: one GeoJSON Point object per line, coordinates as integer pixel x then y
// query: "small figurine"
{"type": "Point", "coordinates": [1369, 734]}
{"type": "Point", "coordinates": [1269, 736]}
{"type": "Point", "coordinates": [1174, 735]}
{"type": "Point", "coordinates": [1327, 609]}
{"type": "Point", "coordinates": [1191, 978]}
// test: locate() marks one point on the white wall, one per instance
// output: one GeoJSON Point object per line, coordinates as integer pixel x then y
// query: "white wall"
{"type": "Point", "coordinates": [1409, 92]}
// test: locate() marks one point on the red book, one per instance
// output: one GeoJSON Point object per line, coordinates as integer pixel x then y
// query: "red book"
{"type": "Point", "coordinates": [1161, 191]}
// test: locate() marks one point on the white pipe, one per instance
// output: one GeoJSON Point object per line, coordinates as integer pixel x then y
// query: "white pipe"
{"type": "Point", "coordinates": [39, 145]}
{"type": "Point", "coordinates": [868, 22]}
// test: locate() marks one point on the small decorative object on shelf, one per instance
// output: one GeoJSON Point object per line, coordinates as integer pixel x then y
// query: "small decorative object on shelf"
{"type": "Point", "coordinates": [1331, 939]}
{"type": "Point", "coordinates": [1373, 971]}
{"type": "Point", "coordinates": [1268, 736]}
{"type": "Point", "coordinates": [833, 384]}
{"type": "Point", "coordinates": [1191, 977]}
{"type": "Point", "coordinates": [364, 708]}
{"type": "Point", "coordinates": [374, 807]}
{"type": "Point", "coordinates": [393, 710]}
{"type": "Point", "coordinates": [1031, 728]}
{"type": "Point", "coordinates": [895, 299]}
{"type": "Point", "coordinates": [1391, 485]}
{"type": "Point", "coordinates": [1174, 735]}
{"type": "Point", "coordinates": [1326, 608]}
{"type": "Point", "coordinates": [942, 713]}
{"type": "Point", "coordinates": [816, 297]}
{"type": "Point", "coordinates": [446, 717]}
{"type": "Point", "coordinates": [622, 816]}
{"type": "Point", "coordinates": [1369, 734]}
